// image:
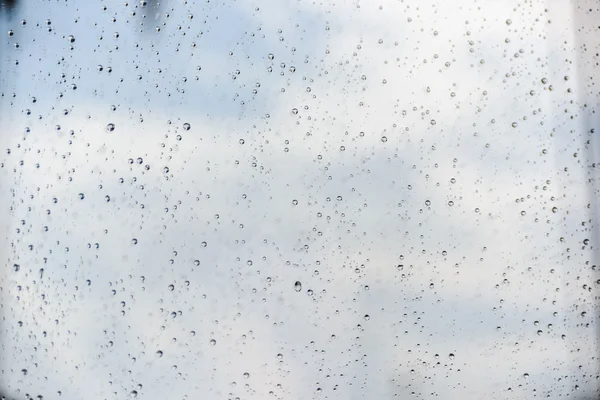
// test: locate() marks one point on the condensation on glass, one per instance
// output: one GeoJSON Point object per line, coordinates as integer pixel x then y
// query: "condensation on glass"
{"type": "Point", "coordinates": [299, 200]}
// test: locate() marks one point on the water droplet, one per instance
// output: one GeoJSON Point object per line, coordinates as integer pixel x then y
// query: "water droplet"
{"type": "Point", "coordinates": [298, 286]}
{"type": "Point", "coordinates": [110, 127]}
{"type": "Point", "coordinates": [213, 342]}
{"type": "Point", "coordinates": [187, 126]}
{"type": "Point", "coordinates": [71, 39]}
{"type": "Point", "coordinates": [159, 353]}
{"type": "Point", "coordinates": [133, 393]}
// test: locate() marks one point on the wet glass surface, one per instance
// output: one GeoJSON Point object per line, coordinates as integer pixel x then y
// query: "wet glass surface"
{"type": "Point", "coordinates": [299, 200]}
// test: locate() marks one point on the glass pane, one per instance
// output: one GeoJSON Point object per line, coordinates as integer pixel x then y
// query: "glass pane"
{"type": "Point", "coordinates": [299, 200]}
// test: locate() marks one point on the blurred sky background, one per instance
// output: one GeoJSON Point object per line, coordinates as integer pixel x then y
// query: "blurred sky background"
{"type": "Point", "coordinates": [425, 169]}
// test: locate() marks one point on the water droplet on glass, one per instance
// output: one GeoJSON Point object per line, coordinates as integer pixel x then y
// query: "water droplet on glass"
{"type": "Point", "coordinates": [298, 286]}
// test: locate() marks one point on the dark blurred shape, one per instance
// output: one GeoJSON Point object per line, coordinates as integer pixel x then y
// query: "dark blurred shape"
{"type": "Point", "coordinates": [149, 11]}
{"type": "Point", "coordinates": [8, 6]}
